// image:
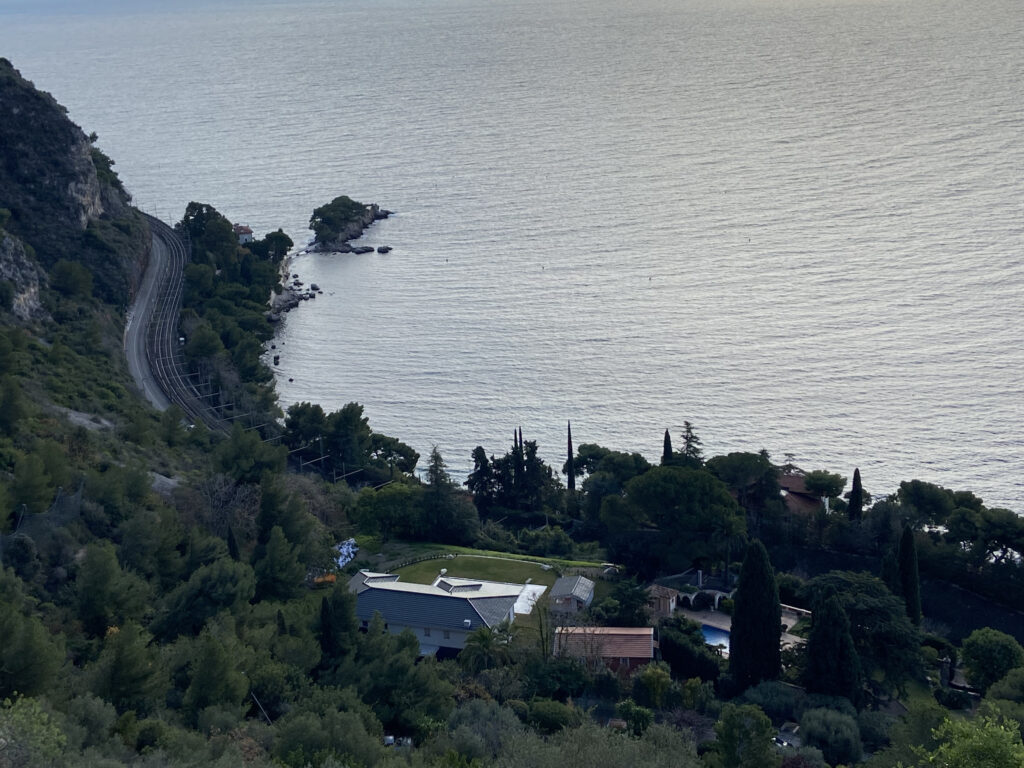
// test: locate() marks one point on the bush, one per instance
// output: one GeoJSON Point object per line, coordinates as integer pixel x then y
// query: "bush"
{"type": "Point", "coordinates": [549, 716]}
{"type": "Point", "coordinates": [989, 654]}
{"type": "Point", "coordinates": [778, 700]}
{"type": "Point", "coordinates": [836, 734]}
{"type": "Point", "coordinates": [874, 729]}
{"type": "Point", "coordinates": [638, 719]}
{"type": "Point", "coordinates": [521, 709]}
{"type": "Point", "coordinates": [942, 646]}
{"type": "Point", "coordinates": [951, 698]}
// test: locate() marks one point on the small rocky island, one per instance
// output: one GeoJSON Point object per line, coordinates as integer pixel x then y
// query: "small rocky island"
{"type": "Point", "coordinates": [341, 220]}
{"type": "Point", "coordinates": [334, 225]}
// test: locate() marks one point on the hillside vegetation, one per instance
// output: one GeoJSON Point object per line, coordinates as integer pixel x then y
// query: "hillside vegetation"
{"type": "Point", "coordinates": [170, 597]}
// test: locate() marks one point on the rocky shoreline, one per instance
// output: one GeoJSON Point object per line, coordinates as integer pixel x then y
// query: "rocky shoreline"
{"type": "Point", "coordinates": [353, 231]}
{"type": "Point", "coordinates": [295, 291]}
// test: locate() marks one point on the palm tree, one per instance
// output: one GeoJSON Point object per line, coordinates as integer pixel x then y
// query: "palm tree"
{"type": "Point", "coordinates": [487, 648]}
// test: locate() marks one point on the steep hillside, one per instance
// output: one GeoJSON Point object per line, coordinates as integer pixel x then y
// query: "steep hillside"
{"type": "Point", "coordinates": [61, 196]}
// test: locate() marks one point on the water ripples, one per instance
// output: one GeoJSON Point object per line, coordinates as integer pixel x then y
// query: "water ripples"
{"type": "Point", "coordinates": [797, 224]}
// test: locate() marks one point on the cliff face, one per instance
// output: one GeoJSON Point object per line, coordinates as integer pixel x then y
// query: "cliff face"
{"type": "Point", "coordinates": [64, 199]}
{"type": "Point", "coordinates": [20, 269]}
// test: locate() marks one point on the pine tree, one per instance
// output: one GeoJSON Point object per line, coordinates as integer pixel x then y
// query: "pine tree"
{"type": "Point", "coordinates": [757, 622]}
{"type": "Point", "coordinates": [691, 446]}
{"type": "Point", "coordinates": [855, 507]}
{"type": "Point", "coordinates": [279, 573]}
{"type": "Point", "coordinates": [910, 581]}
{"type": "Point", "coordinates": [666, 451]}
{"type": "Point", "coordinates": [833, 666]}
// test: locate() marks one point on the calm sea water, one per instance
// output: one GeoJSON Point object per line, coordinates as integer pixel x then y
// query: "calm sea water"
{"type": "Point", "coordinates": [797, 223]}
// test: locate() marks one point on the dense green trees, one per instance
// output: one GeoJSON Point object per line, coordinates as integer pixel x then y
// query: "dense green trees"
{"type": "Point", "coordinates": [330, 221]}
{"type": "Point", "coordinates": [744, 739]}
{"type": "Point", "coordinates": [518, 486]}
{"type": "Point", "coordinates": [986, 742]}
{"type": "Point", "coordinates": [989, 655]}
{"type": "Point", "coordinates": [833, 665]}
{"type": "Point", "coordinates": [342, 446]}
{"type": "Point", "coordinates": [695, 517]}
{"type": "Point", "coordinates": [755, 653]}
{"type": "Point", "coordinates": [754, 480]}
{"type": "Point", "coordinates": [684, 648]}
{"type": "Point", "coordinates": [825, 484]}
{"type": "Point", "coordinates": [836, 734]}
{"type": "Point", "coordinates": [909, 578]}
{"type": "Point", "coordinates": [886, 641]}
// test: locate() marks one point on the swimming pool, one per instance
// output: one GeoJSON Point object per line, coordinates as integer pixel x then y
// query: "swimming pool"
{"type": "Point", "coordinates": [715, 636]}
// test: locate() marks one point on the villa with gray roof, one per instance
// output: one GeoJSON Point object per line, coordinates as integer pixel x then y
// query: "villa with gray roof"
{"type": "Point", "coordinates": [442, 614]}
{"type": "Point", "coordinates": [571, 594]}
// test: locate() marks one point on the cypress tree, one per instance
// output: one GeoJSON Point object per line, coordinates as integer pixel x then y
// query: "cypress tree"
{"type": "Point", "coordinates": [233, 545]}
{"type": "Point", "coordinates": [327, 634]}
{"type": "Point", "coordinates": [855, 508]}
{"type": "Point", "coordinates": [571, 478]}
{"type": "Point", "coordinates": [282, 626]}
{"type": "Point", "coordinates": [666, 452]}
{"type": "Point", "coordinates": [756, 623]}
{"type": "Point", "coordinates": [833, 666]}
{"type": "Point", "coordinates": [910, 581]}
{"type": "Point", "coordinates": [890, 572]}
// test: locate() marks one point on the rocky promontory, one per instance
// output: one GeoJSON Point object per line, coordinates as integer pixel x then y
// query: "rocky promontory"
{"type": "Point", "coordinates": [341, 220]}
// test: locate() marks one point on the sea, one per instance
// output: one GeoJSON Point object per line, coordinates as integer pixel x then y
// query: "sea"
{"type": "Point", "coordinates": [797, 224]}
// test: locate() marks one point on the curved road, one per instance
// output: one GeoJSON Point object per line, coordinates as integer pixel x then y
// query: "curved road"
{"type": "Point", "coordinates": [139, 316]}
{"type": "Point", "coordinates": [151, 332]}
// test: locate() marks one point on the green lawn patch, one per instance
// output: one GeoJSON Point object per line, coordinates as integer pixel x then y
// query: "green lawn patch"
{"type": "Point", "coordinates": [480, 567]}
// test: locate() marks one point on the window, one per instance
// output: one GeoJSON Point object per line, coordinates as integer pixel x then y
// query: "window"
{"type": "Point", "coordinates": [426, 631]}
{"type": "Point", "coordinates": [447, 635]}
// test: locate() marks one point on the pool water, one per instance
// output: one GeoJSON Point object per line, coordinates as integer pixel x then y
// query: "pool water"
{"type": "Point", "coordinates": [715, 636]}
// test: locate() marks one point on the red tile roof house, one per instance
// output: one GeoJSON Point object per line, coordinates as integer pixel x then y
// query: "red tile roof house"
{"type": "Point", "coordinates": [796, 496]}
{"type": "Point", "coordinates": [620, 649]}
{"type": "Point", "coordinates": [243, 233]}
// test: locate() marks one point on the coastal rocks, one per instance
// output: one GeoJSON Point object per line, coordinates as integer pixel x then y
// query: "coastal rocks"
{"type": "Point", "coordinates": [384, 249]}
{"type": "Point", "coordinates": [289, 298]}
{"type": "Point", "coordinates": [353, 231]}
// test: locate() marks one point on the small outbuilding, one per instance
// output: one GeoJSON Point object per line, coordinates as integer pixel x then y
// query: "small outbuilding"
{"type": "Point", "coordinates": [572, 594]}
{"type": "Point", "coordinates": [662, 601]}
{"type": "Point", "coordinates": [243, 233]}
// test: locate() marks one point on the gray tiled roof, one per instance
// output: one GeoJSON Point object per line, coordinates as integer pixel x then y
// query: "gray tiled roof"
{"type": "Point", "coordinates": [579, 587]}
{"type": "Point", "coordinates": [493, 610]}
{"type": "Point", "coordinates": [417, 609]}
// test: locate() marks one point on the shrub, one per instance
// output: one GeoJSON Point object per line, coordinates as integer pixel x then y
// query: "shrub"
{"type": "Point", "coordinates": [549, 716]}
{"type": "Point", "coordinates": [836, 734]}
{"type": "Point", "coordinates": [874, 729]}
{"type": "Point", "coordinates": [951, 698]}
{"type": "Point", "coordinates": [778, 700]}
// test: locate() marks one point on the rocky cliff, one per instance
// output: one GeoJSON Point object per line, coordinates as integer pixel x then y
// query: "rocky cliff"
{"type": "Point", "coordinates": [63, 197]}
{"type": "Point", "coordinates": [20, 270]}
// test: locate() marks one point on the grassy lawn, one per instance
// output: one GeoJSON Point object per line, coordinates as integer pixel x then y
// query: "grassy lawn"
{"type": "Point", "coordinates": [395, 552]}
{"type": "Point", "coordinates": [477, 567]}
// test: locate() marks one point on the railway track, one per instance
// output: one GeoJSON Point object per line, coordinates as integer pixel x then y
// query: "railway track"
{"type": "Point", "coordinates": [163, 343]}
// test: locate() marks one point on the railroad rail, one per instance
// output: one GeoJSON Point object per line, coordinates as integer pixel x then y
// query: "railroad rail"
{"type": "Point", "coordinates": [163, 343]}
